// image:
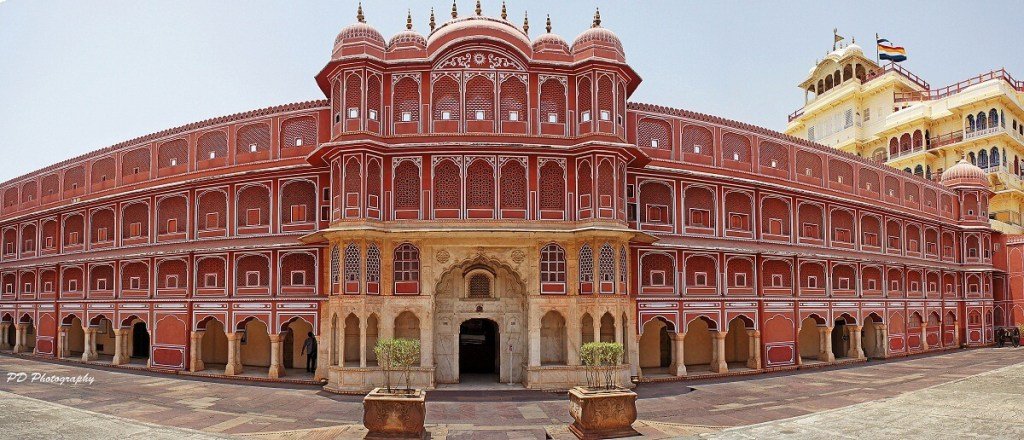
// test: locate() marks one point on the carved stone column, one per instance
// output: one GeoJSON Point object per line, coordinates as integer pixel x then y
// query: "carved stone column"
{"type": "Point", "coordinates": [62, 342]}
{"type": "Point", "coordinates": [678, 366]}
{"type": "Point", "coordinates": [234, 365]}
{"type": "Point", "coordinates": [956, 333]}
{"type": "Point", "coordinates": [856, 351]}
{"type": "Point", "coordinates": [196, 352]}
{"type": "Point", "coordinates": [718, 364]}
{"type": "Point", "coordinates": [754, 357]}
{"type": "Point", "coordinates": [883, 336]}
{"type": "Point", "coordinates": [119, 347]}
{"type": "Point", "coordinates": [4, 327]}
{"type": "Point", "coordinates": [924, 337]}
{"type": "Point", "coordinates": [276, 369]}
{"type": "Point", "coordinates": [826, 338]}
{"type": "Point", "coordinates": [19, 337]}
{"type": "Point", "coordinates": [534, 339]}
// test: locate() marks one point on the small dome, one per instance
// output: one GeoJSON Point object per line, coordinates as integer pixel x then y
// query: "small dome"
{"type": "Point", "coordinates": [598, 39]}
{"type": "Point", "coordinates": [964, 172]}
{"type": "Point", "coordinates": [550, 43]}
{"type": "Point", "coordinates": [407, 39]}
{"type": "Point", "coordinates": [358, 33]}
{"type": "Point", "coordinates": [854, 47]}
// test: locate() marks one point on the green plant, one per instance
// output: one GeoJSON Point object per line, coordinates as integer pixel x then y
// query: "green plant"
{"type": "Point", "coordinates": [600, 360]}
{"type": "Point", "coordinates": [397, 354]}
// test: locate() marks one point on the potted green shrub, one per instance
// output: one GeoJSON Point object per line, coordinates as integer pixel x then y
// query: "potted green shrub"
{"type": "Point", "coordinates": [602, 408]}
{"type": "Point", "coordinates": [395, 411]}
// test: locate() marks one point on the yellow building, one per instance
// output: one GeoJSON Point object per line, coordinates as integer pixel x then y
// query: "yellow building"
{"type": "Point", "coordinates": [887, 113]}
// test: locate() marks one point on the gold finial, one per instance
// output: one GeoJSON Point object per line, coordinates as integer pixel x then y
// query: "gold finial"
{"type": "Point", "coordinates": [597, 18]}
{"type": "Point", "coordinates": [359, 14]}
{"type": "Point", "coordinates": [853, 40]}
{"type": "Point", "coordinates": [455, 10]}
{"type": "Point", "coordinates": [547, 27]}
{"type": "Point", "coordinates": [504, 12]}
{"type": "Point", "coordinates": [526, 22]}
{"type": "Point", "coordinates": [408, 20]}
{"type": "Point", "coordinates": [433, 23]}
{"type": "Point", "coordinates": [479, 11]}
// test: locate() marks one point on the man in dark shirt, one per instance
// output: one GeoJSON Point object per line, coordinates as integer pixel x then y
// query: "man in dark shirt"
{"type": "Point", "coordinates": [309, 349]}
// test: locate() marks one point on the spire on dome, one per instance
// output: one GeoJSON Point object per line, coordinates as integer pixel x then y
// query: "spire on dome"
{"type": "Point", "coordinates": [359, 14]}
{"type": "Point", "coordinates": [455, 10]}
{"type": "Point", "coordinates": [408, 20]}
{"type": "Point", "coordinates": [548, 26]}
{"type": "Point", "coordinates": [433, 23]}
{"type": "Point", "coordinates": [597, 18]}
{"type": "Point", "coordinates": [478, 10]}
{"type": "Point", "coordinates": [504, 12]}
{"type": "Point", "coordinates": [526, 22]}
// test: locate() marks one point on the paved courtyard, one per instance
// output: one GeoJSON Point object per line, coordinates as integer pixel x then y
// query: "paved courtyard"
{"type": "Point", "coordinates": [960, 394]}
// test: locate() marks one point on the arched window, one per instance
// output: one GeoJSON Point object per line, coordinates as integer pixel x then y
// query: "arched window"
{"type": "Point", "coordinates": [586, 269]}
{"type": "Point", "coordinates": [584, 101]}
{"type": "Point", "coordinates": [335, 265]}
{"type": "Point", "coordinates": [982, 159]}
{"type": "Point", "coordinates": [480, 185]}
{"type": "Point", "coordinates": [606, 269]}
{"type": "Point", "coordinates": [970, 123]}
{"type": "Point", "coordinates": [513, 185]}
{"type": "Point", "coordinates": [552, 269]}
{"type": "Point", "coordinates": [552, 101]}
{"type": "Point", "coordinates": [407, 268]}
{"type": "Point", "coordinates": [407, 186]}
{"type": "Point", "coordinates": [623, 265]}
{"type": "Point", "coordinates": [352, 262]}
{"type": "Point", "coordinates": [480, 99]}
{"type": "Point", "coordinates": [993, 118]}
{"type": "Point", "coordinates": [353, 96]}
{"type": "Point", "coordinates": [373, 269]}
{"type": "Point", "coordinates": [552, 186]}
{"type": "Point", "coordinates": [993, 158]}
{"type": "Point", "coordinates": [447, 186]}
{"type": "Point", "coordinates": [446, 100]}
{"type": "Point", "coordinates": [513, 100]}
{"type": "Point", "coordinates": [980, 122]}
{"type": "Point", "coordinates": [407, 100]}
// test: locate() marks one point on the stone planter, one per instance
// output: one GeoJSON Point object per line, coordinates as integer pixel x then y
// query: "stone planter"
{"type": "Point", "coordinates": [394, 415]}
{"type": "Point", "coordinates": [602, 413]}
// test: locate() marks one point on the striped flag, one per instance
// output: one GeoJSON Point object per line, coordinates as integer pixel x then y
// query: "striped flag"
{"type": "Point", "coordinates": [891, 52]}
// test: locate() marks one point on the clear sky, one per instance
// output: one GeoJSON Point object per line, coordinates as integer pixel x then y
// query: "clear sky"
{"type": "Point", "coordinates": [78, 75]}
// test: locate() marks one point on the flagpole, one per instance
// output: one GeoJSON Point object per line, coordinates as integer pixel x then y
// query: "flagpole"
{"type": "Point", "coordinates": [878, 61]}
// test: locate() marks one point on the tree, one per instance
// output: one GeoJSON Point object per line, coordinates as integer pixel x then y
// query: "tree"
{"type": "Point", "coordinates": [397, 354]}
{"type": "Point", "coordinates": [600, 360]}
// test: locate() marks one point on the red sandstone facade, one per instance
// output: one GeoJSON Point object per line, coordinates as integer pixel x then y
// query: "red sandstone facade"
{"type": "Point", "coordinates": [744, 244]}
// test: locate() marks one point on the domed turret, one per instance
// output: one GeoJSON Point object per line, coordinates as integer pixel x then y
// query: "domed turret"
{"type": "Point", "coordinates": [408, 40]}
{"type": "Point", "coordinates": [358, 38]}
{"type": "Point", "coordinates": [598, 42]}
{"type": "Point", "coordinates": [964, 173]}
{"type": "Point", "coordinates": [551, 44]}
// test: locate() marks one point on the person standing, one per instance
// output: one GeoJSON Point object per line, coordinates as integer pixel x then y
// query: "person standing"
{"type": "Point", "coordinates": [309, 349]}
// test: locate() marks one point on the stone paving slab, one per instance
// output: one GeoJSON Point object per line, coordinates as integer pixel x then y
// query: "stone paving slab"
{"type": "Point", "coordinates": [667, 410]}
{"type": "Point", "coordinates": [989, 405]}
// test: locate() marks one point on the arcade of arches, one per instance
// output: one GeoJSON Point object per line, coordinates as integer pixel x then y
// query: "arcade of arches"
{"type": "Point", "coordinates": [479, 313]}
{"type": "Point", "coordinates": [251, 348]}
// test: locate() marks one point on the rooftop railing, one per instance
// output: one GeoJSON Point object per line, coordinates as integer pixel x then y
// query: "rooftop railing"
{"type": "Point", "coordinates": [929, 95]}
{"type": "Point", "coordinates": [891, 67]}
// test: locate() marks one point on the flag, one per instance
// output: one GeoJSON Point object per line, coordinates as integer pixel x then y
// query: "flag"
{"type": "Point", "coordinates": [891, 52]}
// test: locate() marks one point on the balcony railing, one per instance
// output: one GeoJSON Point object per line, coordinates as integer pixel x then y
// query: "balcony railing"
{"type": "Point", "coordinates": [946, 139]}
{"type": "Point", "coordinates": [891, 67]}
{"type": "Point", "coordinates": [981, 133]}
{"type": "Point", "coordinates": [928, 95]}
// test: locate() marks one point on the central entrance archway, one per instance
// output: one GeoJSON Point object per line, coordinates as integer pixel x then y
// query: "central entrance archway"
{"type": "Point", "coordinates": [478, 348]}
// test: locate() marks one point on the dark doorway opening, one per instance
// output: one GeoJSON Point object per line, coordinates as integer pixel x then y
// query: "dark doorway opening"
{"type": "Point", "coordinates": [289, 349]}
{"type": "Point", "coordinates": [140, 340]}
{"type": "Point", "coordinates": [666, 348]}
{"type": "Point", "coordinates": [838, 339]}
{"type": "Point", "coordinates": [478, 347]}
{"type": "Point", "coordinates": [11, 335]}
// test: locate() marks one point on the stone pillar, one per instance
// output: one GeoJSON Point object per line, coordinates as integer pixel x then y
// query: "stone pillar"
{"type": "Point", "coordinates": [276, 369]}
{"type": "Point", "coordinates": [678, 366]}
{"type": "Point", "coordinates": [4, 327]}
{"type": "Point", "coordinates": [62, 342]}
{"type": "Point", "coordinates": [718, 364]}
{"type": "Point", "coordinates": [234, 365]}
{"type": "Point", "coordinates": [119, 347]}
{"type": "Point", "coordinates": [856, 351]}
{"type": "Point", "coordinates": [196, 352]}
{"type": "Point", "coordinates": [826, 338]}
{"type": "Point", "coordinates": [924, 337]}
{"type": "Point", "coordinates": [956, 334]}
{"type": "Point", "coordinates": [534, 347]}
{"type": "Point", "coordinates": [883, 336]}
{"type": "Point", "coordinates": [362, 344]}
{"type": "Point", "coordinates": [90, 345]}
{"type": "Point", "coordinates": [19, 337]}
{"type": "Point", "coordinates": [754, 357]}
